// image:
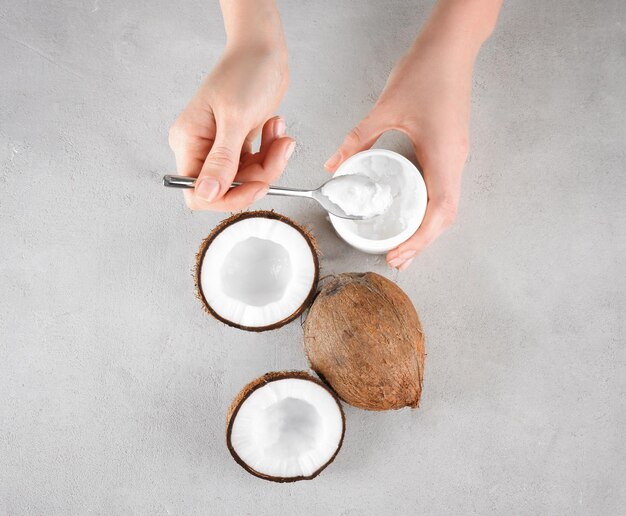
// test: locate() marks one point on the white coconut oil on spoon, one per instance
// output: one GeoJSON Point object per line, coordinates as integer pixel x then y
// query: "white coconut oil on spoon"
{"type": "Point", "coordinates": [359, 195]}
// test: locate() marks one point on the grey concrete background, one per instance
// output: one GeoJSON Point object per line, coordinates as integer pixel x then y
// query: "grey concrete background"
{"type": "Point", "coordinates": [114, 384]}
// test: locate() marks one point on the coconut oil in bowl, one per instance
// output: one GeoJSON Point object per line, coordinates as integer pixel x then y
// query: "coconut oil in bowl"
{"type": "Point", "coordinates": [393, 173]}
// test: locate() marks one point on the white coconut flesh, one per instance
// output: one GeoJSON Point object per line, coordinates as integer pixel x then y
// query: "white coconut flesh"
{"type": "Point", "coordinates": [287, 428]}
{"type": "Point", "coordinates": [257, 271]}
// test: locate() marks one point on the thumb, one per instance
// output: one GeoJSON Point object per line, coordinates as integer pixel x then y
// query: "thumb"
{"type": "Point", "coordinates": [362, 137]}
{"type": "Point", "coordinates": [221, 164]}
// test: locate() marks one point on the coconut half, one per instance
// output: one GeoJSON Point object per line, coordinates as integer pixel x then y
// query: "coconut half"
{"type": "Point", "coordinates": [257, 271]}
{"type": "Point", "coordinates": [285, 427]}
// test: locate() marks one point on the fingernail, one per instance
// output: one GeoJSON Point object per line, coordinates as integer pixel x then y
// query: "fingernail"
{"type": "Point", "coordinates": [207, 189]}
{"type": "Point", "coordinates": [405, 265]}
{"type": "Point", "coordinates": [279, 128]}
{"type": "Point", "coordinates": [333, 160]}
{"type": "Point", "coordinates": [289, 151]}
{"type": "Point", "coordinates": [260, 194]}
{"type": "Point", "coordinates": [401, 257]}
{"type": "Point", "coordinates": [395, 262]}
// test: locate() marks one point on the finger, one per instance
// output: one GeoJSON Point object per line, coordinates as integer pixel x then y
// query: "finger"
{"type": "Point", "coordinates": [189, 152]}
{"type": "Point", "coordinates": [191, 139]}
{"type": "Point", "coordinates": [277, 157]}
{"type": "Point", "coordinates": [220, 167]}
{"type": "Point", "coordinates": [240, 197]}
{"type": "Point", "coordinates": [404, 266]}
{"type": "Point", "coordinates": [362, 137]}
{"type": "Point", "coordinates": [439, 215]}
{"type": "Point", "coordinates": [273, 129]}
{"type": "Point", "coordinates": [273, 165]}
{"type": "Point", "coordinates": [187, 164]}
{"type": "Point", "coordinates": [190, 166]}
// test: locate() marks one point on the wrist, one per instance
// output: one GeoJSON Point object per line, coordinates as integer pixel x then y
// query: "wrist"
{"type": "Point", "coordinates": [253, 25]}
{"type": "Point", "coordinates": [460, 27]}
{"type": "Point", "coordinates": [443, 51]}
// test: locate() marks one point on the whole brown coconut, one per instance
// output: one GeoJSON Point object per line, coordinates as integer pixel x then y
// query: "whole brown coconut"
{"type": "Point", "coordinates": [363, 336]}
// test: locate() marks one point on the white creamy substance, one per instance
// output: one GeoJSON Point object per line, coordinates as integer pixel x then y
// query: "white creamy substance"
{"type": "Point", "coordinates": [401, 181]}
{"type": "Point", "coordinates": [287, 428]}
{"type": "Point", "coordinates": [256, 272]}
{"type": "Point", "coordinates": [359, 198]}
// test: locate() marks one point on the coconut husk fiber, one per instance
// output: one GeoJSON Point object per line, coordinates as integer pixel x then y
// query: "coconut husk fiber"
{"type": "Point", "coordinates": [364, 338]}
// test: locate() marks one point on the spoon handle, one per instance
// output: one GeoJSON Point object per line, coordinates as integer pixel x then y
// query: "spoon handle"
{"type": "Point", "coordinates": [288, 192]}
{"type": "Point", "coordinates": [190, 182]}
{"type": "Point", "coordinates": [179, 181]}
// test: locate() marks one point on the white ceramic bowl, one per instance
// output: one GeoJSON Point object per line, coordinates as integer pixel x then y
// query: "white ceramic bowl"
{"type": "Point", "coordinates": [345, 228]}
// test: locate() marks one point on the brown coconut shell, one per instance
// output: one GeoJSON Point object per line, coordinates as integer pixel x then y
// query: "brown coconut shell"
{"type": "Point", "coordinates": [364, 338]}
{"type": "Point", "coordinates": [247, 215]}
{"type": "Point", "coordinates": [253, 386]}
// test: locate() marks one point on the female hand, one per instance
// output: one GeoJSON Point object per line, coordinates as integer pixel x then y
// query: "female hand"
{"type": "Point", "coordinates": [427, 97]}
{"type": "Point", "coordinates": [212, 137]}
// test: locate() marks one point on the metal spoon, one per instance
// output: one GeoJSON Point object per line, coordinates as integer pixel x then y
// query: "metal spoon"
{"type": "Point", "coordinates": [326, 203]}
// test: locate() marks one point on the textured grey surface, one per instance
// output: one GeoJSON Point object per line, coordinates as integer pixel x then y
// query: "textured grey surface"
{"type": "Point", "coordinates": [114, 384]}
